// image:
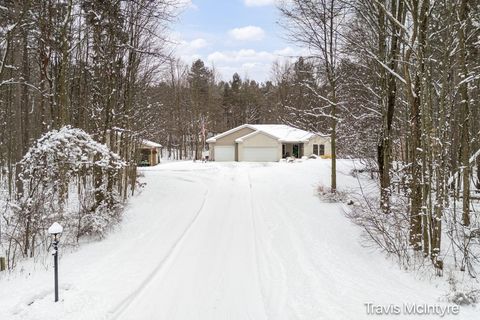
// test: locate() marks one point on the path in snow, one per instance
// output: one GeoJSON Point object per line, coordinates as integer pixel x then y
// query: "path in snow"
{"type": "Point", "coordinates": [224, 241]}
{"type": "Point", "coordinates": [214, 271]}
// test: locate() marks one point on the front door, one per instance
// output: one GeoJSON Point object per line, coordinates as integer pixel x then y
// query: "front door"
{"type": "Point", "coordinates": [296, 150]}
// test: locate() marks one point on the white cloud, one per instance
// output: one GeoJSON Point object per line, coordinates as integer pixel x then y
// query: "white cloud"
{"type": "Point", "coordinates": [198, 43]}
{"type": "Point", "coordinates": [242, 55]}
{"type": "Point", "coordinates": [258, 3]}
{"type": "Point", "coordinates": [247, 62]}
{"type": "Point", "coordinates": [248, 55]}
{"type": "Point", "coordinates": [256, 65]}
{"type": "Point", "coordinates": [186, 4]}
{"type": "Point", "coordinates": [190, 50]}
{"type": "Point", "coordinates": [248, 33]}
{"type": "Point", "coordinates": [291, 52]}
{"type": "Point", "coordinates": [190, 46]}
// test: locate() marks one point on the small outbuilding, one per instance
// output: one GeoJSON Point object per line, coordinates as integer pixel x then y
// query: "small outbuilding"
{"type": "Point", "coordinates": [147, 153]}
{"type": "Point", "coordinates": [150, 153]}
{"type": "Point", "coordinates": [267, 143]}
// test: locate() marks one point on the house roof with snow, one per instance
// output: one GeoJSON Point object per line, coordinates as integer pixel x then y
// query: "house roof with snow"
{"type": "Point", "coordinates": [151, 144]}
{"type": "Point", "coordinates": [280, 132]}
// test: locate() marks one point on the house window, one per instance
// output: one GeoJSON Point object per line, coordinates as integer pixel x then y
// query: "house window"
{"type": "Point", "coordinates": [319, 149]}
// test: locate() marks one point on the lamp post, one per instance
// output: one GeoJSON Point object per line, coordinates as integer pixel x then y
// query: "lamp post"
{"type": "Point", "coordinates": [55, 229]}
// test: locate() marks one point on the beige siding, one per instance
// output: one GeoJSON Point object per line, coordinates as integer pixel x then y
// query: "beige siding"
{"type": "Point", "coordinates": [259, 140]}
{"type": "Point", "coordinates": [228, 140]}
{"type": "Point", "coordinates": [308, 146]}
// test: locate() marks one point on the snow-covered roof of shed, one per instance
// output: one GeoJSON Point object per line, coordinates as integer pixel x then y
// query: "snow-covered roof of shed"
{"type": "Point", "coordinates": [281, 132]}
{"type": "Point", "coordinates": [151, 144]}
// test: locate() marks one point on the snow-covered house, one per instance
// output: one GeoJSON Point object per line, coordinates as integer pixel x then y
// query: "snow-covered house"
{"type": "Point", "coordinates": [150, 153]}
{"type": "Point", "coordinates": [267, 142]}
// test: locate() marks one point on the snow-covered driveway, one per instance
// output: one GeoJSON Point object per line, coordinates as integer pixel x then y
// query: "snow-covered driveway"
{"type": "Point", "coordinates": [223, 241]}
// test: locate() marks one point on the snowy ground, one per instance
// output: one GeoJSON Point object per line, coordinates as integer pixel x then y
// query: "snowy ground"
{"type": "Point", "coordinates": [224, 241]}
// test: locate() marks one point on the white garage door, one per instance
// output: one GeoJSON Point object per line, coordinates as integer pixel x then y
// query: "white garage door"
{"type": "Point", "coordinates": [224, 153]}
{"type": "Point", "coordinates": [260, 154]}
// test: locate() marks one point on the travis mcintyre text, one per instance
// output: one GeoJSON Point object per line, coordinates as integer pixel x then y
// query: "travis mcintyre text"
{"type": "Point", "coordinates": [412, 309]}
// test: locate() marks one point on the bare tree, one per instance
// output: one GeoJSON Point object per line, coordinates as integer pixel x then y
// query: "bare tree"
{"type": "Point", "coordinates": [318, 24]}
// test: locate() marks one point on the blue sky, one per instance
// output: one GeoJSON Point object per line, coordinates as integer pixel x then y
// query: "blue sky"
{"type": "Point", "coordinates": [234, 36]}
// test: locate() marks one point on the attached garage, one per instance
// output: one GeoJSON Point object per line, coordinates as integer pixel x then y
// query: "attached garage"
{"type": "Point", "coordinates": [260, 154]}
{"type": "Point", "coordinates": [258, 147]}
{"type": "Point", "coordinates": [224, 153]}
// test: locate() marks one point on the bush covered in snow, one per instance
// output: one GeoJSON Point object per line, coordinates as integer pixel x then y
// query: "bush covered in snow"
{"type": "Point", "coordinates": [389, 232]}
{"type": "Point", "coordinates": [67, 177]}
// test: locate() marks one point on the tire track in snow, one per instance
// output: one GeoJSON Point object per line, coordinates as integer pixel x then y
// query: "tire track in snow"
{"type": "Point", "coordinates": [255, 243]}
{"type": "Point", "coordinates": [120, 308]}
{"type": "Point", "coordinates": [275, 310]}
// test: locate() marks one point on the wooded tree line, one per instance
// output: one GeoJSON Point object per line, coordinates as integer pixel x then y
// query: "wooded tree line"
{"type": "Point", "coordinates": [401, 82]}
{"type": "Point", "coordinates": [82, 63]}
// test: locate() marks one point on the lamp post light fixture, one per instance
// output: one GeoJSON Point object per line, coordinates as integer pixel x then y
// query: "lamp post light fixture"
{"type": "Point", "coordinates": [55, 229]}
